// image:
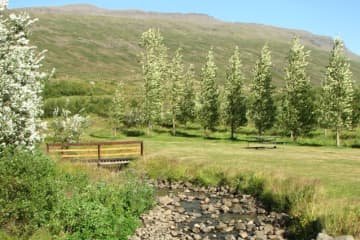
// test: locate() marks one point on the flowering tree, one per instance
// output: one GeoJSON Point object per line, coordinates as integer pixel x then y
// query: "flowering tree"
{"type": "Point", "coordinates": [68, 128]}
{"type": "Point", "coordinates": [20, 82]}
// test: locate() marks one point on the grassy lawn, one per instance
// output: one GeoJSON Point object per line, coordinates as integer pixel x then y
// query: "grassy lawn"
{"type": "Point", "coordinates": [337, 169]}
{"type": "Point", "coordinates": [334, 172]}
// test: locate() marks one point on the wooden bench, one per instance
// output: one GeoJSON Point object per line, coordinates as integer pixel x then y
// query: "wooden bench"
{"type": "Point", "coordinates": [100, 153]}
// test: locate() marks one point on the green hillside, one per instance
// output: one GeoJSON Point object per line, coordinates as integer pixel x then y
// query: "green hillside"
{"type": "Point", "coordinates": [92, 44]}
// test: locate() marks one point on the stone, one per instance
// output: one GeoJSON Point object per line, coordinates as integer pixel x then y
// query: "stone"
{"type": "Point", "coordinates": [197, 236]}
{"type": "Point", "coordinates": [237, 208]}
{"type": "Point", "coordinates": [221, 226]}
{"type": "Point", "coordinates": [225, 209]}
{"type": "Point", "coordinates": [324, 236]}
{"type": "Point", "coordinates": [344, 237]}
{"type": "Point", "coordinates": [243, 234]}
{"type": "Point", "coordinates": [227, 202]}
{"type": "Point", "coordinates": [165, 200]}
{"type": "Point", "coordinates": [240, 226]}
{"type": "Point", "coordinates": [260, 235]}
{"type": "Point", "coordinates": [268, 229]}
{"type": "Point", "coordinates": [230, 237]}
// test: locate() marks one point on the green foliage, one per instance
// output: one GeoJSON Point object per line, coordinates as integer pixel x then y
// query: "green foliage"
{"type": "Point", "coordinates": [337, 94]}
{"type": "Point", "coordinates": [37, 199]}
{"type": "Point", "coordinates": [28, 191]}
{"type": "Point", "coordinates": [235, 102]}
{"type": "Point", "coordinates": [298, 109]}
{"type": "Point", "coordinates": [68, 128]}
{"type": "Point", "coordinates": [209, 105]}
{"type": "Point", "coordinates": [187, 98]}
{"type": "Point", "coordinates": [133, 115]}
{"type": "Point", "coordinates": [101, 210]}
{"type": "Point", "coordinates": [263, 109]}
{"type": "Point", "coordinates": [117, 108]}
{"type": "Point", "coordinates": [356, 108]}
{"type": "Point", "coordinates": [95, 104]}
{"type": "Point", "coordinates": [70, 88]}
{"type": "Point", "coordinates": [176, 76]}
{"type": "Point", "coordinates": [153, 60]}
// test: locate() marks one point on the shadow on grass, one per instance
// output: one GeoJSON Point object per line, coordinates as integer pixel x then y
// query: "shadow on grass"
{"type": "Point", "coordinates": [309, 144]}
{"type": "Point", "coordinates": [133, 132]}
{"type": "Point", "coordinates": [185, 134]}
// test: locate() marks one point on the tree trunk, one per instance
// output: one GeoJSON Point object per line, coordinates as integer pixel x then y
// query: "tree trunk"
{"type": "Point", "coordinates": [115, 132]}
{"type": "Point", "coordinates": [337, 137]}
{"type": "Point", "coordinates": [292, 135]}
{"type": "Point", "coordinates": [148, 129]}
{"type": "Point", "coordinates": [325, 132]}
{"type": "Point", "coordinates": [174, 126]}
{"type": "Point", "coordinates": [232, 132]}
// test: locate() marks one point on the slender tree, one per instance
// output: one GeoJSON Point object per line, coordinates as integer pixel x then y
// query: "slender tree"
{"type": "Point", "coordinates": [235, 105]}
{"type": "Point", "coordinates": [263, 109]}
{"type": "Point", "coordinates": [21, 82]}
{"type": "Point", "coordinates": [153, 60]}
{"type": "Point", "coordinates": [298, 109]}
{"type": "Point", "coordinates": [356, 108]}
{"type": "Point", "coordinates": [176, 75]}
{"type": "Point", "coordinates": [117, 108]}
{"type": "Point", "coordinates": [208, 99]}
{"type": "Point", "coordinates": [338, 89]}
{"type": "Point", "coordinates": [187, 99]}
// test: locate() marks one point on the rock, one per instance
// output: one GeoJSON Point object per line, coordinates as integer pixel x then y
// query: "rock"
{"type": "Point", "coordinates": [225, 209]}
{"type": "Point", "coordinates": [237, 208]}
{"type": "Point", "coordinates": [243, 234]}
{"type": "Point", "coordinates": [268, 229]}
{"type": "Point", "coordinates": [261, 211]}
{"type": "Point", "coordinates": [324, 236]}
{"type": "Point", "coordinates": [230, 237]}
{"type": "Point", "coordinates": [197, 236]}
{"type": "Point", "coordinates": [344, 237]}
{"type": "Point", "coordinates": [165, 200]}
{"type": "Point", "coordinates": [221, 226]}
{"type": "Point", "coordinates": [196, 228]}
{"type": "Point", "coordinates": [240, 226]}
{"type": "Point", "coordinates": [227, 202]}
{"type": "Point", "coordinates": [260, 235]}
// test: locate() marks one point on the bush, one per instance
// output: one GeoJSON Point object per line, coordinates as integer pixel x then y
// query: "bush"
{"type": "Point", "coordinates": [68, 128]}
{"type": "Point", "coordinates": [101, 211]}
{"type": "Point", "coordinates": [28, 192]}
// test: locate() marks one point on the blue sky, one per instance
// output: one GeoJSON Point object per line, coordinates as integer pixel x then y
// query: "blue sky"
{"type": "Point", "coordinates": [325, 17]}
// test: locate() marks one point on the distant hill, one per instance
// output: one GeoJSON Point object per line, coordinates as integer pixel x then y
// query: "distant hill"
{"type": "Point", "coordinates": [94, 44]}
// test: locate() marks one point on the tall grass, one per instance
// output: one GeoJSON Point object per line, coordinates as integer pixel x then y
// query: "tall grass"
{"type": "Point", "coordinates": [305, 200]}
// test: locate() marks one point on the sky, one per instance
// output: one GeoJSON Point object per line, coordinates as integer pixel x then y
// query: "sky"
{"type": "Point", "coordinates": [333, 18]}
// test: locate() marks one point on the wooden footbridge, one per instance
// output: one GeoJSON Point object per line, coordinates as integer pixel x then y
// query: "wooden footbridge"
{"type": "Point", "coordinates": [100, 153]}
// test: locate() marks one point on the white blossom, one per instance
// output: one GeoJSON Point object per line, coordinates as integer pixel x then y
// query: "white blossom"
{"type": "Point", "coordinates": [20, 82]}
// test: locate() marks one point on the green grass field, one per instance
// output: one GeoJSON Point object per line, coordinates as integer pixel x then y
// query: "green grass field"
{"type": "Point", "coordinates": [335, 171]}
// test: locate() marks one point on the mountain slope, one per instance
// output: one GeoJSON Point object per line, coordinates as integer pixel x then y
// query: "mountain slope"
{"type": "Point", "coordinates": [90, 43]}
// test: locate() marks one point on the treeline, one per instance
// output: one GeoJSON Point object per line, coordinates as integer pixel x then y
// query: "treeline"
{"type": "Point", "coordinates": [173, 95]}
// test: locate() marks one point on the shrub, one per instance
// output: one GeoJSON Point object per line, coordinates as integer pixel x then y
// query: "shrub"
{"type": "Point", "coordinates": [28, 192]}
{"type": "Point", "coordinates": [67, 128]}
{"type": "Point", "coordinates": [101, 211]}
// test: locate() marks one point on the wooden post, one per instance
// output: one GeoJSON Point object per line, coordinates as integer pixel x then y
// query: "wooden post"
{"type": "Point", "coordinates": [142, 148]}
{"type": "Point", "coordinates": [99, 156]}
{"type": "Point", "coordinates": [47, 148]}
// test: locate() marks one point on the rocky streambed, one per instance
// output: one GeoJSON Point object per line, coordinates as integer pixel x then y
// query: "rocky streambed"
{"type": "Point", "coordinates": [188, 212]}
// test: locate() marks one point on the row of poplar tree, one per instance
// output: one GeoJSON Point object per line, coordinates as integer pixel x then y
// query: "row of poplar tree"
{"type": "Point", "coordinates": [170, 91]}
